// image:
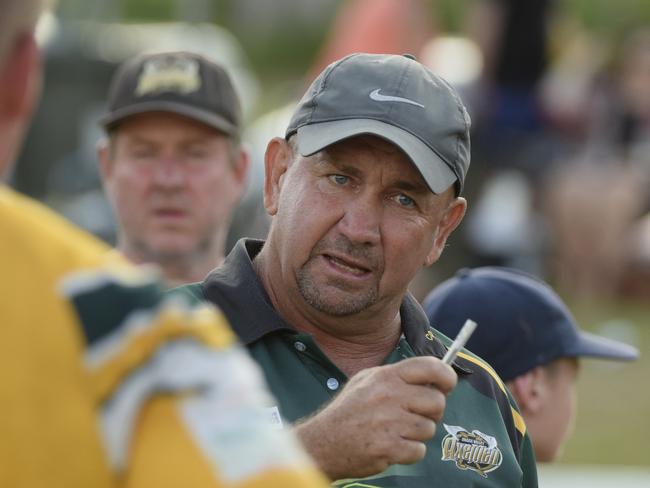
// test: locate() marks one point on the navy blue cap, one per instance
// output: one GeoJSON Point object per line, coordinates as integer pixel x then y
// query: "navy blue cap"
{"type": "Point", "coordinates": [522, 322]}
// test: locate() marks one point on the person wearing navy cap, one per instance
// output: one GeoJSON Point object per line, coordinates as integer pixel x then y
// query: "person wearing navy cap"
{"type": "Point", "coordinates": [528, 335]}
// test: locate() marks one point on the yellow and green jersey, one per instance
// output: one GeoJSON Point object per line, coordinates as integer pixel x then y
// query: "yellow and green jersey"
{"type": "Point", "coordinates": [106, 383]}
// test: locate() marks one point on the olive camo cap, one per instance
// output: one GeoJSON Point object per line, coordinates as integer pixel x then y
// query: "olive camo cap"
{"type": "Point", "coordinates": [393, 97]}
{"type": "Point", "coordinates": [180, 82]}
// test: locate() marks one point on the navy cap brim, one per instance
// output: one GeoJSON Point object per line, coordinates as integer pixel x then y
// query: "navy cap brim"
{"type": "Point", "coordinates": [208, 118]}
{"type": "Point", "coordinates": [590, 345]}
{"type": "Point", "coordinates": [435, 172]}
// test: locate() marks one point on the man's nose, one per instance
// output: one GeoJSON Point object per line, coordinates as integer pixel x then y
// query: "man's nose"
{"type": "Point", "coordinates": [361, 221]}
{"type": "Point", "coordinates": [169, 172]}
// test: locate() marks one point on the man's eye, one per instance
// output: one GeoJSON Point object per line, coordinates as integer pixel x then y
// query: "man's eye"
{"type": "Point", "coordinates": [404, 200]}
{"type": "Point", "coordinates": [142, 154]}
{"type": "Point", "coordinates": [196, 152]}
{"type": "Point", "coordinates": [339, 179]}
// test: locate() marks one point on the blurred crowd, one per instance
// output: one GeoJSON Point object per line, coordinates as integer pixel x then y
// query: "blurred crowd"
{"type": "Point", "coordinates": [560, 118]}
{"type": "Point", "coordinates": [162, 139]}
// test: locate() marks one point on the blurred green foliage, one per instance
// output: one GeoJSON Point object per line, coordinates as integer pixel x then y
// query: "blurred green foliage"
{"type": "Point", "coordinates": [147, 10]}
{"type": "Point", "coordinates": [609, 19]}
{"type": "Point", "coordinates": [285, 51]}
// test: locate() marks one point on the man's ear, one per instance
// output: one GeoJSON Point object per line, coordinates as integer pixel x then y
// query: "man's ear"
{"type": "Point", "coordinates": [276, 162]}
{"type": "Point", "coordinates": [20, 78]}
{"type": "Point", "coordinates": [451, 217]}
{"type": "Point", "coordinates": [104, 159]}
{"type": "Point", "coordinates": [241, 168]}
{"type": "Point", "coordinates": [529, 390]}
{"type": "Point", "coordinates": [243, 164]}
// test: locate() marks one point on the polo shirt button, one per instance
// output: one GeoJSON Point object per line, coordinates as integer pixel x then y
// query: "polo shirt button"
{"type": "Point", "coordinates": [332, 383]}
{"type": "Point", "coordinates": [299, 346]}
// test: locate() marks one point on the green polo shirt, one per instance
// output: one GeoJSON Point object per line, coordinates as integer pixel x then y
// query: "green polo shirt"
{"type": "Point", "coordinates": [481, 440]}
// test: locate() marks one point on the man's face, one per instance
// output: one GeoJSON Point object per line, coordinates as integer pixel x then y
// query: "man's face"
{"type": "Point", "coordinates": [173, 183]}
{"type": "Point", "coordinates": [354, 223]}
{"type": "Point", "coordinates": [557, 411]}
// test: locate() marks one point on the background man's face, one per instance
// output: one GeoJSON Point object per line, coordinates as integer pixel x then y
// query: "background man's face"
{"type": "Point", "coordinates": [555, 419]}
{"type": "Point", "coordinates": [173, 184]}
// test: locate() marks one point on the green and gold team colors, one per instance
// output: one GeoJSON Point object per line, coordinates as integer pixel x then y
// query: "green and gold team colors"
{"type": "Point", "coordinates": [106, 383]}
{"type": "Point", "coordinates": [481, 440]}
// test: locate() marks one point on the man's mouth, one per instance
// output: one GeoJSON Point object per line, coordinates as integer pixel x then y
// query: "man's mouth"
{"type": "Point", "coordinates": [347, 265]}
{"type": "Point", "coordinates": [169, 213]}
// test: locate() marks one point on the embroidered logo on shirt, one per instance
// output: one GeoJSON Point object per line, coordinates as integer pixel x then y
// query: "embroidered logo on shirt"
{"type": "Point", "coordinates": [471, 450]}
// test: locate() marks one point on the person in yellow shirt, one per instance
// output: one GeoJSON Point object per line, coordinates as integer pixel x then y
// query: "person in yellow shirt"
{"type": "Point", "coordinates": [104, 382]}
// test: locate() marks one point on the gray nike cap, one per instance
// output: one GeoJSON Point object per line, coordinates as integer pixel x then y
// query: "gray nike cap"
{"type": "Point", "coordinates": [393, 97]}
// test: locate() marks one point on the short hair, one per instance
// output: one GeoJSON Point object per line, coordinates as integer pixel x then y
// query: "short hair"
{"type": "Point", "coordinates": [16, 17]}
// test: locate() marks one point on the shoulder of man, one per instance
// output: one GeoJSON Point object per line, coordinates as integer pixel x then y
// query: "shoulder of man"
{"type": "Point", "coordinates": [171, 383]}
{"type": "Point", "coordinates": [51, 243]}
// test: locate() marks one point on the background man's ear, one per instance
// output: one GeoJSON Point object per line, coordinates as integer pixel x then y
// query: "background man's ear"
{"type": "Point", "coordinates": [276, 162]}
{"type": "Point", "coordinates": [241, 168]}
{"type": "Point", "coordinates": [528, 390]}
{"type": "Point", "coordinates": [104, 158]}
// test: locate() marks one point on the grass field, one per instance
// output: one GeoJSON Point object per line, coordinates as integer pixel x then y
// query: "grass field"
{"type": "Point", "coordinates": [613, 421]}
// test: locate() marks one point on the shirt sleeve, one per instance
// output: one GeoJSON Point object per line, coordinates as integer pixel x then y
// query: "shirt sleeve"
{"type": "Point", "coordinates": [179, 402]}
{"type": "Point", "coordinates": [527, 463]}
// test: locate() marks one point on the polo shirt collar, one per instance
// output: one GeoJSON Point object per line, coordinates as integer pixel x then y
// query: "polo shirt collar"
{"type": "Point", "coordinates": [237, 289]}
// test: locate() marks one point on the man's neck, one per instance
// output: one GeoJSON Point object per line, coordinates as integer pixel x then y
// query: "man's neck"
{"type": "Point", "coordinates": [178, 270]}
{"type": "Point", "coordinates": [352, 342]}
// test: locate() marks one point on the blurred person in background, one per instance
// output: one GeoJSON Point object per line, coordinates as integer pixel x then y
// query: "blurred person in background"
{"type": "Point", "coordinates": [104, 382]}
{"type": "Point", "coordinates": [511, 137]}
{"type": "Point", "coordinates": [593, 200]}
{"type": "Point", "coordinates": [172, 163]}
{"type": "Point", "coordinates": [527, 334]}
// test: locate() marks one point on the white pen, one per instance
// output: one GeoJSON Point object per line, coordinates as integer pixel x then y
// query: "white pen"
{"type": "Point", "coordinates": [460, 341]}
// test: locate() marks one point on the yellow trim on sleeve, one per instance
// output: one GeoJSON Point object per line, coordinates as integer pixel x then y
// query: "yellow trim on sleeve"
{"type": "Point", "coordinates": [205, 324]}
{"type": "Point", "coordinates": [520, 425]}
{"type": "Point", "coordinates": [486, 367]}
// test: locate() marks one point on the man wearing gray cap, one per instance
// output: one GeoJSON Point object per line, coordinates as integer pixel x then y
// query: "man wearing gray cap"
{"type": "Point", "coordinates": [172, 163]}
{"type": "Point", "coordinates": [363, 191]}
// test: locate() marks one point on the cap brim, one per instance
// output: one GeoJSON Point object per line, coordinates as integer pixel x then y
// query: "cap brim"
{"type": "Point", "coordinates": [436, 173]}
{"type": "Point", "coordinates": [208, 118]}
{"type": "Point", "coordinates": [589, 345]}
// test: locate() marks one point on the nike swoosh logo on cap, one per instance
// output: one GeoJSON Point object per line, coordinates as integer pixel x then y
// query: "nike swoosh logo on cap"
{"type": "Point", "coordinates": [375, 95]}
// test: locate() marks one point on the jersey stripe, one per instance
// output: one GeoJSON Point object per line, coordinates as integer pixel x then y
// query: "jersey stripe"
{"type": "Point", "coordinates": [520, 425]}
{"type": "Point", "coordinates": [136, 348]}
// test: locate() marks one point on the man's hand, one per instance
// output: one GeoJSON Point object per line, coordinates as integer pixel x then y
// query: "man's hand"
{"type": "Point", "coordinates": [381, 417]}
